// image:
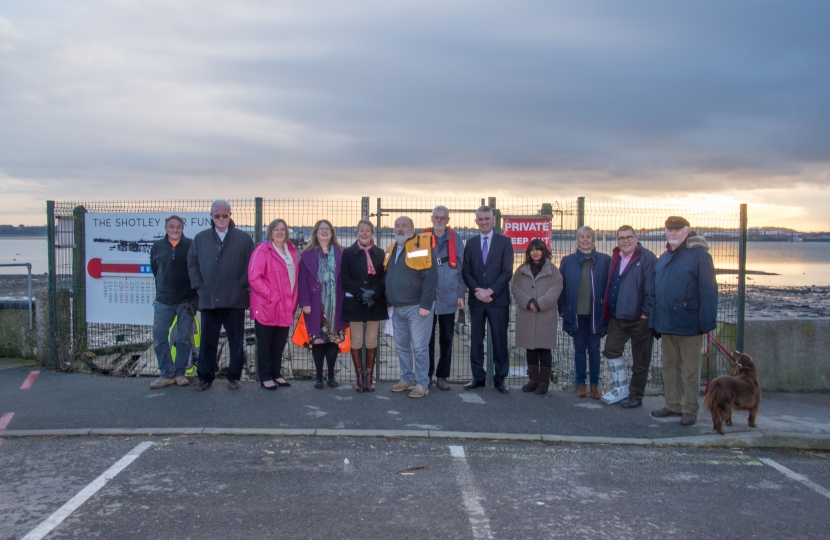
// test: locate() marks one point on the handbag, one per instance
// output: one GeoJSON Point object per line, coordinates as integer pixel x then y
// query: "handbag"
{"type": "Point", "coordinates": [300, 336]}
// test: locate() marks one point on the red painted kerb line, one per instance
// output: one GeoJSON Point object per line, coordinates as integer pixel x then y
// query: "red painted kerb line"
{"type": "Point", "coordinates": [5, 419]}
{"type": "Point", "coordinates": [29, 380]}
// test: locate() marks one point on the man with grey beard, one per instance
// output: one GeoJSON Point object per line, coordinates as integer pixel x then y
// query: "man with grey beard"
{"type": "Point", "coordinates": [685, 308]}
{"type": "Point", "coordinates": [411, 279]}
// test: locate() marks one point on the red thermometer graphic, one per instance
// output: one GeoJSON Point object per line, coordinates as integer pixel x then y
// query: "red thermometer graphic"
{"type": "Point", "coordinates": [98, 268]}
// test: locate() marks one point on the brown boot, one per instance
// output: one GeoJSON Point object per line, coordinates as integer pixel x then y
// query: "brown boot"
{"type": "Point", "coordinates": [371, 354]}
{"type": "Point", "coordinates": [581, 391]}
{"type": "Point", "coordinates": [595, 392]}
{"type": "Point", "coordinates": [357, 360]}
{"type": "Point", "coordinates": [544, 380]}
{"type": "Point", "coordinates": [532, 379]}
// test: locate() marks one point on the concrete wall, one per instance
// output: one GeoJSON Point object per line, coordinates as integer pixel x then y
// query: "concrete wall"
{"type": "Point", "coordinates": [16, 340]}
{"type": "Point", "coordinates": [791, 354]}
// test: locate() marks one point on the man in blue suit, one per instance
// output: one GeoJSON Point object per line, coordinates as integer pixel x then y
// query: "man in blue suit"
{"type": "Point", "coordinates": [487, 269]}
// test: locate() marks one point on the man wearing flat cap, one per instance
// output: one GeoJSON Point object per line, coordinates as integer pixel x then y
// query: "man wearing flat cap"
{"type": "Point", "coordinates": [685, 308]}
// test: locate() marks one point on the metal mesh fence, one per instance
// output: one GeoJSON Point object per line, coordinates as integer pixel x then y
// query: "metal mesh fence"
{"type": "Point", "coordinates": [127, 349]}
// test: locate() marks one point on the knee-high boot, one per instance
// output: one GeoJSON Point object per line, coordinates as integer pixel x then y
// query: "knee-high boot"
{"type": "Point", "coordinates": [371, 354]}
{"type": "Point", "coordinates": [357, 360]}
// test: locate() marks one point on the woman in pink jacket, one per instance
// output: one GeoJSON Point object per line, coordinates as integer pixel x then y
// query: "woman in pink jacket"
{"type": "Point", "coordinates": [273, 273]}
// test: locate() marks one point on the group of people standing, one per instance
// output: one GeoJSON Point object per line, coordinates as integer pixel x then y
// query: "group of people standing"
{"type": "Point", "coordinates": [420, 282]}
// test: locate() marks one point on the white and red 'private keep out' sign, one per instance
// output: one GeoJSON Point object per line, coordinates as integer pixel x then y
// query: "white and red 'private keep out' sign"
{"type": "Point", "coordinates": [522, 229]}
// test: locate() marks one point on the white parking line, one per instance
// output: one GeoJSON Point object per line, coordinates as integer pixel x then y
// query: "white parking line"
{"type": "Point", "coordinates": [64, 511]}
{"type": "Point", "coordinates": [797, 477]}
{"type": "Point", "coordinates": [472, 501]}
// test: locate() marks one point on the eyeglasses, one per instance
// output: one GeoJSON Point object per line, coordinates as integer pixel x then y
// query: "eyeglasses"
{"type": "Point", "coordinates": [221, 216]}
{"type": "Point", "coordinates": [440, 218]}
{"type": "Point", "coordinates": [625, 238]}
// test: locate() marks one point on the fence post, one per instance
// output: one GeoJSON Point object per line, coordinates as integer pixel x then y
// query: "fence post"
{"type": "Point", "coordinates": [364, 208]}
{"type": "Point", "coordinates": [258, 220]}
{"type": "Point", "coordinates": [53, 283]}
{"type": "Point", "coordinates": [580, 212]}
{"type": "Point", "coordinates": [739, 338]}
{"type": "Point", "coordinates": [79, 282]}
{"type": "Point", "coordinates": [380, 326]}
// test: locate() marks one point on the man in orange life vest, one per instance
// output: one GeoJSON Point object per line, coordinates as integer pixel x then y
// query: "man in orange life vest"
{"type": "Point", "coordinates": [449, 296]}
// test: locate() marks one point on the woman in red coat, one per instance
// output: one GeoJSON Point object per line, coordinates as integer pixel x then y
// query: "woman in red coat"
{"type": "Point", "coordinates": [273, 274]}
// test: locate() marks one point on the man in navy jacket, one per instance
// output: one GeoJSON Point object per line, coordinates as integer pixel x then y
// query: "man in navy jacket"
{"type": "Point", "coordinates": [628, 300]}
{"type": "Point", "coordinates": [487, 270]}
{"type": "Point", "coordinates": [685, 308]}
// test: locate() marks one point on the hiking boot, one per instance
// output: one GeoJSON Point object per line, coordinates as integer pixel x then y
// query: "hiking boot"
{"type": "Point", "coordinates": [665, 412]}
{"type": "Point", "coordinates": [234, 385]}
{"type": "Point", "coordinates": [595, 392]}
{"type": "Point", "coordinates": [418, 392]}
{"type": "Point", "coordinates": [532, 379]}
{"type": "Point", "coordinates": [688, 419]}
{"type": "Point", "coordinates": [161, 382]}
{"type": "Point", "coordinates": [402, 387]}
{"type": "Point", "coordinates": [181, 380]}
{"type": "Point", "coordinates": [443, 384]}
{"type": "Point", "coordinates": [581, 391]}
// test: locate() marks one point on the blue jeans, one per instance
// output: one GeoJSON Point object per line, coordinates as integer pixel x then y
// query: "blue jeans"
{"type": "Point", "coordinates": [163, 316]}
{"type": "Point", "coordinates": [584, 341]}
{"type": "Point", "coordinates": [411, 333]}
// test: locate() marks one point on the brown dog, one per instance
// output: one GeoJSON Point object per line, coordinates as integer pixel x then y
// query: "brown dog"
{"type": "Point", "coordinates": [740, 391]}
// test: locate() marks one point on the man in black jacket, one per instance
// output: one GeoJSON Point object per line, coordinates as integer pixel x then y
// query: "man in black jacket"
{"type": "Point", "coordinates": [218, 265]}
{"type": "Point", "coordinates": [175, 299]}
{"type": "Point", "coordinates": [629, 297]}
{"type": "Point", "coordinates": [487, 270]}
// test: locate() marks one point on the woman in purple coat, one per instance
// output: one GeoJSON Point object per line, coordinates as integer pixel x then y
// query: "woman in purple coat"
{"type": "Point", "coordinates": [321, 297]}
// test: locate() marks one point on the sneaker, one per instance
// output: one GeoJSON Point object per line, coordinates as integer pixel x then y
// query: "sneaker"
{"type": "Point", "coordinates": [665, 412]}
{"type": "Point", "coordinates": [443, 384]}
{"type": "Point", "coordinates": [688, 419]}
{"type": "Point", "coordinates": [181, 380]}
{"type": "Point", "coordinates": [161, 382]}
{"type": "Point", "coordinates": [402, 387]}
{"type": "Point", "coordinates": [234, 385]}
{"type": "Point", "coordinates": [418, 392]}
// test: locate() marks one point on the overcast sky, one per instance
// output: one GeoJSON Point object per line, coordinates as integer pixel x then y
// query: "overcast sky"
{"type": "Point", "coordinates": [717, 102]}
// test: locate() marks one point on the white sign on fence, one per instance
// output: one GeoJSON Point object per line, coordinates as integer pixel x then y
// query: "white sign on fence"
{"type": "Point", "coordinates": [119, 281]}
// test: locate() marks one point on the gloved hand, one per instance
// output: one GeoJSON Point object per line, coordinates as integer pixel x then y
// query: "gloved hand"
{"type": "Point", "coordinates": [368, 297]}
{"type": "Point", "coordinates": [655, 334]}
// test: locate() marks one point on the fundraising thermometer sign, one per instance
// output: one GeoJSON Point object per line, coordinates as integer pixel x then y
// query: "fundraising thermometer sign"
{"type": "Point", "coordinates": [522, 229]}
{"type": "Point", "coordinates": [119, 278]}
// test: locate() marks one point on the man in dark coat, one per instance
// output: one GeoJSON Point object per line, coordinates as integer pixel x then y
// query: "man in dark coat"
{"type": "Point", "coordinates": [175, 300]}
{"type": "Point", "coordinates": [488, 268]}
{"type": "Point", "coordinates": [218, 265]}
{"type": "Point", "coordinates": [628, 300]}
{"type": "Point", "coordinates": [685, 308]}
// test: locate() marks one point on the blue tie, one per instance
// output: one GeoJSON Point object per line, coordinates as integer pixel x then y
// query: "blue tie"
{"type": "Point", "coordinates": [484, 251]}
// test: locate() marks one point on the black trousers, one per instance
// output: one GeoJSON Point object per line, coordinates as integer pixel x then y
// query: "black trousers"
{"type": "Point", "coordinates": [498, 317]}
{"type": "Point", "coordinates": [212, 322]}
{"type": "Point", "coordinates": [327, 351]}
{"type": "Point", "coordinates": [446, 330]}
{"type": "Point", "coordinates": [539, 357]}
{"type": "Point", "coordinates": [270, 344]}
{"type": "Point", "coordinates": [619, 332]}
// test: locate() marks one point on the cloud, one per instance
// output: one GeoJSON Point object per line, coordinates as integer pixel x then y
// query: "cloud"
{"type": "Point", "coordinates": [641, 98]}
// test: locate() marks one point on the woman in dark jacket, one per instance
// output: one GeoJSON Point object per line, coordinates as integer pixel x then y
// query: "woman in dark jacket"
{"type": "Point", "coordinates": [361, 275]}
{"type": "Point", "coordinates": [321, 297]}
{"type": "Point", "coordinates": [585, 276]}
